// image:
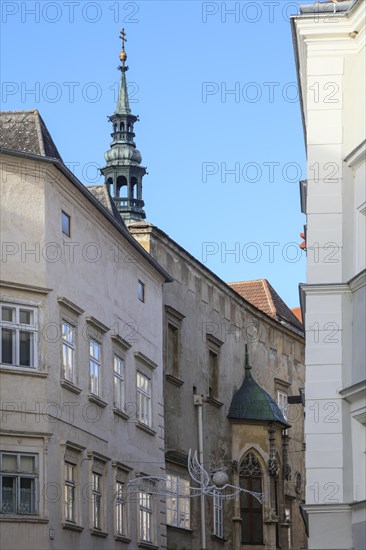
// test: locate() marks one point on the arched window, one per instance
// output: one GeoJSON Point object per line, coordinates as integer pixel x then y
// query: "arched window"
{"type": "Point", "coordinates": [134, 187]}
{"type": "Point", "coordinates": [121, 182]}
{"type": "Point", "coordinates": [250, 508]}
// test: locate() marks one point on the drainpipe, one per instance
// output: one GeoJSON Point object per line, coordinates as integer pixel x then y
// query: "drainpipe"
{"type": "Point", "coordinates": [198, 401]}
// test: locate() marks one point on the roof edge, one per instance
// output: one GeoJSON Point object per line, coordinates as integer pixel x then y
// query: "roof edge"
{"type": "Point", "coordinates": [84, 190]}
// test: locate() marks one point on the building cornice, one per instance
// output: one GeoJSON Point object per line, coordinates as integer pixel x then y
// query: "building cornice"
{"type": "Point", "coordinates": [145, 360]}
{"type": "Point", "coordinates": [121, 341]}
{"type": "Point", "coordinates": [327, 508]}
{"type": "Point", "coordinates": [70, 305]}
{"type": "Point", "coordinates": [355, 157]}
{"type": "Point", "coordinates": [27, 288]}
{"type": "Point", "coordinates": [358, 281]}
{"type": "Point", "coordinates": [324, 288]}
{"type": "Point", "coordinates": [354, 392]}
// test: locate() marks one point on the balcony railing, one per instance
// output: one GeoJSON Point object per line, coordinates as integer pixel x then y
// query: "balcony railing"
{"type": "Point", "coordinates": [123, 204]}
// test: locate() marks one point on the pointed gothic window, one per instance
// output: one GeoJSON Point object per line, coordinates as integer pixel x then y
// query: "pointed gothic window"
{"type": "Point", "coordinates": [250, 508]}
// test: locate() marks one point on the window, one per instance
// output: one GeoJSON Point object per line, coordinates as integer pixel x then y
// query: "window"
{"type": "Point", "coordinates": [143, 399]}
{"type": "Point", "coordinates": [66, 224]}
{"type": "Point", "coordinates": [213, 370]}
{"type": "Point", "coordinates": [173, 349]}
{"type": "Point", "coordinates": [250, 478]}
{"type": "Point", "coordinates": [178, 502]}
{"type": "Point", "coordinates": [141, 291]}
{"type": "Point", "coordinates": [218, 519]}
{"type": "Point", "coordinates": [18, 336]}
{"type": "Point", "coordinates": [70, 491]}
{"type": "Point", "coordinates": [18, 483]}
{"type": "Point", "coordinates": [97, 501]}
{"type": "Point", "coordinates": [282, 403]}
{"type": "Point", "coordinates": [289, 522]}
{"type": "Point", "coordinates": [68, 352]}
{"type": "Point", "coordinates": [119, 383]}
{"type": "Point", "coordinates": [94, 366]}
{"type": "Point", "coordinates": [145, 517]}
{"type": "Point", "coordinates": [121, 527]}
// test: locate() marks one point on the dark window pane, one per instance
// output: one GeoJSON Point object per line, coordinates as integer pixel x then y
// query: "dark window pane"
{"type": "Point", "coordinates": [8, 494]}
{"type": "Point", "coordinates": [65, 223]}
{"type": "Point", "coordinates": [25, 317]}
{"type": "Point", "coordinates": [8, 346]}
{"type": "Point", "coordinates": [8, 314]}
{"type": "Point", "coordinates": [26, 504]}
{"type": "Point", "coordinates": [25, 349]}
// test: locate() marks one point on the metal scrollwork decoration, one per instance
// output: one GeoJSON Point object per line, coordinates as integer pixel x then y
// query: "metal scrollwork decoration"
{"type": "Point", "coordinates": [206, 485]}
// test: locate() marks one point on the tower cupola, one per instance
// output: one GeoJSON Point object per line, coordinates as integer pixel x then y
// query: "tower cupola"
{"type": "Point", "coordinates": [123, 172]}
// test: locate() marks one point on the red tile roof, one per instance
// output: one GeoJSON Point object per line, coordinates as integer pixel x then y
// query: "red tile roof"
{"type": "Point", "coordinates": [297, 312]}
{"type": "Point", "coordinates": [263, 296]}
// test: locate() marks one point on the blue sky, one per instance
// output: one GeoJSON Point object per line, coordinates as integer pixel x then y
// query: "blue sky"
{"type": "Point", "coordinates": [220, 130]}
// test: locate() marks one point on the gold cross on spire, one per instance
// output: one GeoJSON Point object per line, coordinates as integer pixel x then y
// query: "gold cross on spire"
{"type": "Point", "coordinates": [123, 55]}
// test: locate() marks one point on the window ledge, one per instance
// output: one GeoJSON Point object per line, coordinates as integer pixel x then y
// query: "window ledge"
{"type": "Point", "coordinates": [22, 519]}
{"type": "Point", "coordinates": [218, 539]}
{"type": "Point", "coordinates": [145, 544]}
{"type": "Point", "coordinates": [145, 428]}
{"type": "Point", "coordinates": [23, 371]}
{"type": "Point", "coordinates": [97, 400]}
{"type": "Point", "coordinates": [215, 402]}
{"type": "Point", "coordinates": [120, 413]}
{"type": "Point", "coordinates": [70, 386]}
{"type": "Point", "coordinates": [174, 380]}
{"type": "Point", "coordinates": [98, 533]}
{"type": "Point", "coordinates": [121, 538]}
{"type": "Point", "coordinates": [72, 527]}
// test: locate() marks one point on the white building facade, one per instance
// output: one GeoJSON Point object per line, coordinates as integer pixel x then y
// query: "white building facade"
{"type": "Point", "coordinates": [329, 40]}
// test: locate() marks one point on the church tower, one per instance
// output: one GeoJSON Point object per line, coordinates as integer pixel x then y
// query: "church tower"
{"type": "Point", "coordinates": [123, 172]}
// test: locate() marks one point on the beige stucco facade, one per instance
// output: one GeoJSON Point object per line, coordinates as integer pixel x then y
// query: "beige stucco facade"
{"type": "Point", "coordinates": [88, 280]}
{"type": "Point", "coordinates": [210, 317]}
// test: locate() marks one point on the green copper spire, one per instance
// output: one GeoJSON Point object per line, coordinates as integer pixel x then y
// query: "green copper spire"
{"type": "Point", "coordinates": [252, 403]}
{"type": "Point", "coordinates": [123, 105]}
{"type": "Point", "coordinates": [123, 172]}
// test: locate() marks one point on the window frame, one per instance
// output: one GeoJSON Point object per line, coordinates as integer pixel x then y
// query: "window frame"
{"type": "Point", "coordinates": [18, 475]}
{"type": "Point", "coordinates": [213, 378]}
{"type": "Point", "coordinates": [72, 347]}
{"type": "Point", "coordinates": [96, 362]}
{"type": "Point", "coordinates": [249, 527]}
{"type": "Point", "coordinates": [176, 482]}
{"type": "Point", "coordinates": [146, 514]}
{"type": "Point", "coordinates": [141, 291]}
{"type": "Point", "coordinates": [283, 396]}
{"type": "Point", "coordinates": [120, 511]}
{"type": "Point", "coordinates": [17, 328]}
{"type": "Point", "coordinates": [214, 349]}
{"type": "Point", "coordinates": [70, 485]}
{"type": "Point", "coordinates": [97, 495]}
{"type": "Point", "coordinates": [218, 514]}
{"type": "Point", "coordinates": [145, 397]}
{"type": "Point", "coordinates": [119, 380]}
{"type": "Point", "coordinates": [67, 218]}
